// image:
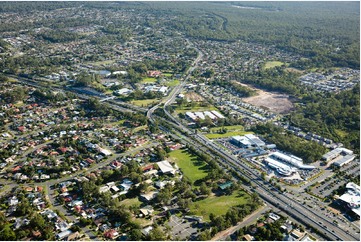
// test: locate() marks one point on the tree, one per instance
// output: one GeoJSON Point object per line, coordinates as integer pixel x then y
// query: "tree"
{"type": "Point", "coordinates": [254, 198]}
{"type": "Point", "coordinates": [7, 234]}
{"type": "Point", "coordinates": [75, 228]}
{"type": "Point", "coordinates": [204, 189]}
{"type": "Point", "coordinates": [136, 235]}
{"type": "Point", "coordinates": [157, 234]}
{"type": "Point", "coordinates": [204, 236]}
{"type": "Point", "coordinates": [3, 220]}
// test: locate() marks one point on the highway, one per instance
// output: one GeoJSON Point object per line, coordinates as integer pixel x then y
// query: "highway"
{"type": "Point", "coordinates": [266, 191]}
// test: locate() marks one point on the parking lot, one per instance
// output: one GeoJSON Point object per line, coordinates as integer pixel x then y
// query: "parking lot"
{"type": "Point", "coordinates": [181, 228]}
{"type": "Point", "coordinates": [353, 168]}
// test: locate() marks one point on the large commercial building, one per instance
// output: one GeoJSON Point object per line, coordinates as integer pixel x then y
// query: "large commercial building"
{"type": "Point", "coordinates": [352, 197]}
{"type": "Point", "coordinates": [282, 168]}
{"type": "Point", "coordinates": [339, 156]}
{"type": "Point", "coordinates": [336, 153]}
{"type": "Point", "coordinates": [291, 160]}
{"type": "Point", "coordinates": [284, 164]}
{"type": "Point", "coordinates": [247, 141]}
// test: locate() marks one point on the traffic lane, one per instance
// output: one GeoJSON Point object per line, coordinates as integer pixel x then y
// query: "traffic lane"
{"type": "Point", "coordinates": [285, 207]}
{"type": "Point", "coordinates": [299, 214]}
{"type": "Point", "coordinates": [308, 212]}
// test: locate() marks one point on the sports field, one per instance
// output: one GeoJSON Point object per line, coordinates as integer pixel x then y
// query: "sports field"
{"type": "Point", "coordinates": [191, 166]}
{"type": "Point", "coordinates": [271, 64]}
{"type": "Point", "coordinates": [218, 205]}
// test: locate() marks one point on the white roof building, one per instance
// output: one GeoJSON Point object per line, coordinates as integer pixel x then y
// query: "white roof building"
{"type": "Point", "coordinates": [280, 167]}
{"type": "Point", "coordinates": [149, 196]}
{"type": "Point", "coordinates": [200, 115]}
{"type": "Point", "coordinates": [352, 197]}
{"type": "Point", "coordinates": [123, 91]}
{"type": "Point", "coordinates": [290, 159]}
{"type": "Point", "coordinates": [166, 167]}
{"type": "Point", "coordinates": [104, 151]}
{"type": "Point", "coordinates": [191, 116]}
{"type": "Point", "coordinates": [216, 113]}
{"type": "Point", "coordinates": [209, 114]}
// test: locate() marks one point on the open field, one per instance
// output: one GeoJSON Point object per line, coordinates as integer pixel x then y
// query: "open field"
{"type": "Point", "coordinates": [231, 131]}
{"type": "Point", "coordinates": [275, 102]}
{"type": "Point", "coordinates": [167, 74]}
{"type": "Point", "coordinates": [100, 63]}
{"type": "Point", "coordinates": [140, 128]}
{"type": "Point", "coordinates": [191, 166]}
{"type": "Point", "coordinates": [341, 133]}
{"type": "Point", "coordinates": [193, 96]}
{"type": "Point", "coordinates": [228, 134]}
{"type": "Point", "coordinates": [172, 83]}
{"type": "Point", "coordinates": [149, 80]}
{"type": "Point", "coordinates": [143, 222]}
{"type": "Point", "coordinates": [19, 104]}
{"type": "Point", "coordinates": [144, 103]}
{"type": "Point", "coordinates": [271, 64]}
{"type": "Point", "coordinates": [131, 202]}
{"type": "Point", "coordinates": [290, 69]}
{"type": "Point", "coordinates": [218, 205]}
{"type": "Point", "coordinates": [229, 128]}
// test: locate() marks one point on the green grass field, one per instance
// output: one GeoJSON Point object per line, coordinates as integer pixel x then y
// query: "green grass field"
{"type": "Point", "coordinates": [228, 134]}
{"type": "Point", "coordinates": [191, 166]}
{"type": "Point", "coordinates": [140, 128]}
{"type": "Point", "coordinates": [229, 128]}
{"type": "Point", "coordinates": [218, 205]}
{"type": "Point", "coordinates": [172, 83]}
{"type": "Point", "coordinates": [143, 222]}
{"type": "Point", "coordinates": [19, 104]}
{"type": "Point", "coordinates": [102, 63]}
{"type": "Point", "coordinates": [144, 103]}
{"type": "Point", "coordinates": [271, 64]}
{"type": "Point", "coordinates": [130, 202]}
{"type": "Point", "coordinates": [341, 133]}
{"type": "Point", "coordinates": [149, 80]}
{"type": "Point", "coordinates": [167, 74]}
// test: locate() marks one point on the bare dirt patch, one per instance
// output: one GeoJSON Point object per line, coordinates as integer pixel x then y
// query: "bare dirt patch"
{"type": "Point", "coordinates": [274, 102]}
{"type": "Point", "coordinates": [194, 97]}
{"type": "Point", "coordinates": [294, 70]}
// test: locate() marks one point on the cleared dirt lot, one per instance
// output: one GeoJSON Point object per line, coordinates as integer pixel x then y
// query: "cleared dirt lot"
{"type": "Point", "coordinates": [275, 102]}
{"type": "Point", "coordinates": [194, 97]}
